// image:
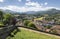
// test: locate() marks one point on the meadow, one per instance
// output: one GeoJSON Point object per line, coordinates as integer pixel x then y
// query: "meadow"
{"type": "Point", "coordinates": [25, 34]}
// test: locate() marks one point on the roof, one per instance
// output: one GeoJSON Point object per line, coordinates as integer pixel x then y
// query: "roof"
{"type": "Point", "coordinates": [56, 27]}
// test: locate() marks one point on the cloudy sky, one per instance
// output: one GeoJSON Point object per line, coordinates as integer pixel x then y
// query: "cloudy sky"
{"type": "Point", "coordinates": [29, 5]}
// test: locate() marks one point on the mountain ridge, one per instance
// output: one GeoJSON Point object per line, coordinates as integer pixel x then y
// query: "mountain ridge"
{"type": "Point", "coordinates": [51, 11]}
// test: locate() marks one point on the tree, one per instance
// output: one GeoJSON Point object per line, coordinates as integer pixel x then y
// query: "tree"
{"type": "Point", "coordinates": [1, 24]}
{"type": "Point", "coordinates": [26, 22]}
{"type": "Point", "coordinates": [7, 18]}
{"type": "Point", "coordinates": [1, 15]}
{"type": "Point", "coordinates": [31, 25]}
{"type": "Point", "coordinates": [48, 27]}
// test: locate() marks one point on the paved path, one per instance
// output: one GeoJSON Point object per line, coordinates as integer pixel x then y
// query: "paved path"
{"type": "Point", "coordinates": [39, 32]}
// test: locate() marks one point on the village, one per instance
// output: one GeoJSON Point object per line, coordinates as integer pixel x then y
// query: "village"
{"type": "Point", "coordinates": [42, 24]}
{"type": "Point", "coordinates": [29, 19]}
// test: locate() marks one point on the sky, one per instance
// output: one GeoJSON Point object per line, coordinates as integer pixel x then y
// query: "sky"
{"type": "Point", "coordinates": [29, 5]}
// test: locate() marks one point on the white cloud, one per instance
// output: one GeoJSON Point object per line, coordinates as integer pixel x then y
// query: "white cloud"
{"type": "Point", "coordinates": [19, 0]}
{"type": "Point", "coordinates": [25, 9]}
{"type": "Point", "coordinates": [1, 0]}
{"type": "Point", "coordinates": [42, 4]}
{"type": "Point", "coordinates": [45, 3]}
{"type": "Point", "coordinates": [28, 0]}
{"type": "Point", "coordinates": [34, 4]}
{"type": "Point", "coordinates": [29, 6]}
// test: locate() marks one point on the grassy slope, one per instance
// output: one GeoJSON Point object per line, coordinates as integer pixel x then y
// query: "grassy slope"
{"type": "Point", "coordinates": [24, 34]}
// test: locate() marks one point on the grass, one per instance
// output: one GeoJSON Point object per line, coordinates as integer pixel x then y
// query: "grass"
{"type": "Point", "coordinates": [24, 34]}
{"type": "Point", "coordinates": [41, 18]}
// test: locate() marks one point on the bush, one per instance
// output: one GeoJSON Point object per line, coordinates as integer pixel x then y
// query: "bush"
{"type": "Point", "coordinates": [1, 24]}
{"type": "Point", "coordinates": [7, 18]}
{"type": "Point", "coordinates": [26, 22]}
{"type": "Point", "coordinates": [31, 25]}
{"type": "Point", "coordinates": [48, 27]}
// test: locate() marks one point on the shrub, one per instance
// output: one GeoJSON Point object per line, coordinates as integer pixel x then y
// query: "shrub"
{"type": "Point", "coordinates": [26, 22]}
{"type": "Point", "coordinates": [1, 24]}
{"type": "Point", "coordinates": [7, 18]}
{"type": "Point", "coordinates": [31, 25]}
{"type": "Point", "coordinates": [48, 27]}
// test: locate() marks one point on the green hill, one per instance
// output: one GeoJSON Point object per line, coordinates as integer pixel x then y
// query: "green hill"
{"type": "Point", "coordinates": [25, 34]}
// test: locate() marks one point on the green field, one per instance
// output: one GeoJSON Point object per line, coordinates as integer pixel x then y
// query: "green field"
{"type": "Point", "coordinates": [25, 34]}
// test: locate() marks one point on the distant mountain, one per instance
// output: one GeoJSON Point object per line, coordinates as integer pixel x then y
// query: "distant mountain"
{"type": "Point", "coordinates": [9, 11]}
{"type": "Point", "coordinates": [49, 11]}
{"type": "Point", "coordinates": [53, 11]}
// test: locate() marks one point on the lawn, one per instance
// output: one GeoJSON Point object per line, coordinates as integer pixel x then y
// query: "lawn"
{"type": "Point", "coordinates": [25, 34]}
